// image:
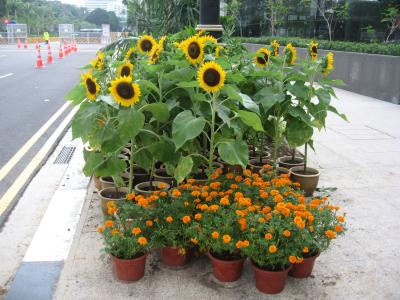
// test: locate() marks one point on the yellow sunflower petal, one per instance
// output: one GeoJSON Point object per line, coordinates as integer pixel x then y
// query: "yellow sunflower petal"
{"type": "Point", "coordinates": [125, 92]}
{"type": "Point", "coordinates": [91, 85]}
{"type": "Point", "coordinates": [194, 50]}
{"type": "Point", "coordinates": [275, 45]}
{"type": "Point", "coordinates": [290, 53]}
{"type": "Point", "coordinates": [313, 50]}
{"type": "Point", "coordinates": [126, 69]}
{"type": "Point", "coordinates": [129, 53]}
{"type": "Point", "coordinates": [211, 77]}
{"type": "Point", "coordinates": [145, 44]}
{"type": "Point", "coordinates": [262, 57]}
{"type": "Point", "coordinates": [328, 64]}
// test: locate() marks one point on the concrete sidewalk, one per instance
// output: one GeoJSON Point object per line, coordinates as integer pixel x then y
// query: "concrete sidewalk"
{"type": "Point", "coordinates": [360, 158]}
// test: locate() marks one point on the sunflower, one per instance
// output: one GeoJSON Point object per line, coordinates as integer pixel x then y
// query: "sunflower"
{"type": "Point", "coordinates": [91, 85]}
{"type": "Point", "coordinates": [208, 38]}
{"type": "Point", "coordinates": [125, 69]}
{"type": "Point", "coordinates": [275, 45]}
{"type": "Point", "coordinates": [200, 32]}
{"type": "Point", "coordinates": [262, 57]}
{"type": "Point", "coordinates": [211, 77]}
{"type": "Point", "coordinates": [124, 91]}
{"type": "Point", "coordinates": [219, 51]}
{"type": "Point", "coordinates": [194, 50]}
{"type": "Point", "coordinates": [290, 53]}
{"type": "Point", "coordinates": [161, 42]}
{"type": "Point", "coordinates": [145, 44]}
{"type": "Point", "coordinates": [327, 66]}
{"type": "Point", "coordinates": [155, 54]}
{"type": "Point", "coordinates": [129, 53]}
{"type": "Point", "coordinates": [98, 62]}
{"type": "Point", "coordinates": [313, 50]}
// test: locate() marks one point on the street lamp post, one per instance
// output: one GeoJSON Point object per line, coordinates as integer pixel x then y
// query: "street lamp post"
{"type": "Point", "coordinates": [209, 18]}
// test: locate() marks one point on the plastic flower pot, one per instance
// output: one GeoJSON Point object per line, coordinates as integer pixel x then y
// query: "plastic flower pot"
{"type": "Point", "coordinates": [226, 270]}
{"type": "Point", "coordinates": [270, 282]}
{"type": "Point", "coordinates": [287, 161]}
{"type": "Point", "coordinates": [129, 269]}
{"type": "Point", "coordinates": [308, 178]}
{"type": "Point", "coordinates": [172, 258]}
{"type": "Point", "coordinates": [162, 175]}
{"type": "Point", "coordinates": [106, 182]}
{"type": "Point", "coordinates": [148, 187]}
{"type": "Point", "coordinates": [111, 194]}
{"type": "Point", "coordinates": [305, 268]}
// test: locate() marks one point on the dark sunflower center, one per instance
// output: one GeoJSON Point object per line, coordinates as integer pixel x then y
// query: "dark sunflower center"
{"type": "Point", "coordinates": [125, 90]}
{"type": "Point", "coordinates": [125, 71]}
{"type": "Point", "coordinates": [91, 86]}
{"type": "Point", "coordinates": [314, 50]}
{"type": "Point", "coordinates": [194, 50]}
{"type": "Point", "coordinates": [211, 77]}
{"type": "Point", "coordinates": [146, 45]}
{"type": "Point", "coordinates": [263, 60]}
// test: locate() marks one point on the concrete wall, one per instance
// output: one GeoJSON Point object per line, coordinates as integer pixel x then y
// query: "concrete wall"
{"type": "Point", "coordinates": [373, 75]}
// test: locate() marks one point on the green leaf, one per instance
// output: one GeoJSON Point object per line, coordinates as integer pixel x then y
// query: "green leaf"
{"type": "Point", "coordinates": [164, 151]}
{"type": "Point", "coordinates": [231, 92]}
{"type": "Point", "coordinates": [149, 85]}
{"type": "Point", "coordinates": [268, 98]}
{"type": "Point", "coordinates": [179, 75]}
{"type": "Point", "coordinates": [112, 166]}
{"type": "Point", "coordinates": [235, 77]}
{"type": "Point", "coordinates": [200, 97]}
{"type": "Point", "coordinates": [109, 100]}
{"type": "Point", "coordinates": [298, 112]}
{"type": "Point", "coordinates": [234, 153]}
{"type": "Point", "coordinates": [223, 112]}
{"type": "Point", "coordinates": [298, 133]}
{"type": "Point", "coordinates": [249, 103]}
{"type": "Point", "coordinates": [298, 89]}
{"type": "Point", "coordinates": [92, 160]}
{"type": "Point", "coordinates": [84, 121]}
{"type": "Point", "coordinates": [324, 96]}
{"type": "Point", "coordinates": [77, 94]}
{"type": "Point", "coordinates": [109, 139]}
{"type": "Point", "coordinates": [186, 127]}
{"type": "Point", "coordinates": [130, 123]}
{"type": "Point", "coordinates": [183, 169]}
{"type": "Point", "coordinates": [88, 66]}
{"type": "Point", "coordinates": [143, 159]}
{"type": "Point", "coordinates": [188, 84]}
{"type": "Point", "coordinates": [159, 110]}
{"type": "Point", "coordinates": [251, 119]}
{"type": "Point", "coordinates": [334, 110]}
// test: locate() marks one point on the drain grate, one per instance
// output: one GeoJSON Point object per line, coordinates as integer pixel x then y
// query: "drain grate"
{"type": "Point", "coordinates": [65, 155]}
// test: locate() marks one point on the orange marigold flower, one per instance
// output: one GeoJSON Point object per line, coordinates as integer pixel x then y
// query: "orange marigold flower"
{"type": "Point", "coordinates": [274, 192]}
{"type": "Point", "coordinates": [306, 250]}
{"type": "Point", "coordinates": [238, 178]}
{"type": "Point", "coordinates": [176, 193]}
{"type": "Point", "coordinates": [149, 223]}
{"type": "Point", "coordinates": [230, 175]}
{"type": "Point", "coordinates": [130, 196]}
{"type": "Point", "coordinates": [268, 236]}
{"type": "Point", "coordinates": [142, 241]}
{"type": "Point", "coordinates": [297, 219]}
{"type": "Point", "coordinates": [215, 235]}
{"type": "Point", "coordinates": [267, 166]}
{"type": "Point", "coordinates": [186, 219]}
{"type": "Point", "coordinates": [196, 193]}
{"type": "Point", "coordinates": [163, 194]}
{"type": "Point", "coordinates": [239, 244]}
{"type": "Point", "coordinates": [340, 218]}
{"type": "Point", "coordinates": [204, 194]}
{"type": "Point", "coordinates": [338, 228]}
{"type": "Point", "coordinates": [299, 260]}
{"type": "Point", "coordinates": [203, 207]}
{"type": "Point", "coordinates": [136, 230]}
{"type": "Point", "coordinates": [286, 233]}
{"type": "Point", "coordinates": [213, 207]}
{"type": "Point", "coordinates": [214, 176]}
{"type": "Point", "coordinates": [246, 243]}
{"type": "Point", "coordinates": [224, 201]}
{"type": "Point", "coordinates": [243, 224]}
{"type": "Point", "coordinates": [272, 249]}
{"type": "Point", "coordinates": [292, 259]}
{"type": "Point", "coordinates": [194, 241]}
{"type": "Point", "coordinates": [100, 229]}
{"type": "Point", "coordinates": [278, 198]}
{"type": "Point", "coordinates": [197, 216]}
{"type": "Point", "coordinates": [261, 220]}
{"type": "Point", "coordinates": [219, 171]}
{"type": "Point", "coordinates": [114, 231]}
{"type": "Point", "coordinates": [111, 210]}
{"type": "Point", "coordinates": [234, 186]}
{"type": "Point", "coordinates": [226, 238]}
{"type": "Point", "coordinates": [169, 219]}
{"type": "Point", "coordinates": [109, 223]}
{"type": "Point", "coordinates": [330, 234]}
{"type": "Point", "coordinates": [215, 185]}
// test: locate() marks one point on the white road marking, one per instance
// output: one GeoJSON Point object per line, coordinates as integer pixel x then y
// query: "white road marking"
{"type": "Point", "coordinates": [46, 100]}
{"type": "Point", "coordinates": [7, 75]}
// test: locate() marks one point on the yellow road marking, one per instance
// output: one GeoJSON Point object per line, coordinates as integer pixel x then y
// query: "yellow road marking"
{"type": "Point", "coordinates": [9, 196]}
{"type": "Point", "coordinates": [25, 148]}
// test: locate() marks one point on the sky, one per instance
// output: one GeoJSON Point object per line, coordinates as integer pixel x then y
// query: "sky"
{"type": "Point", "coordinates": [75, 2]}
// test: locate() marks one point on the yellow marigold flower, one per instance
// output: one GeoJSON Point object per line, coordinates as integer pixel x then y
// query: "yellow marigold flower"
{"type": "Point", "coordinates": [186, 219]}
{"type": "Point", "coordinates": [136, 230]}
{"type": "Point", "coordinates": [239, 244]}
{"type": "Point", "coordinates": [114, 231]}
{"type": "Point", "coordinates": [268, 236]}
{"type": "Point", "coordinates": [274, 192]}
{"type": "Point", "coordinates": [226, 238]}
{"type": "Point", "coordinates": [272, 249]}
{"type": "Point", "coordinates": [261, 220]}
{"type": "Point", "coordinates": [169, 219]}
{"type": "Point", "coordinates": [215, 235]}
{"type": "Point", "coordinates": [292, 259]}
{"type": "Point", "coordinates": [286, 233]}
{"type": "Point", "coordinates": [194, 241]}
{"type": "Point", "coordinates": [330, 234]}
{"type": "Point", "coordinates": [109, 223]}
{"type": "Point", "coordinates": [142, 241]}
{"type": "Point", "coordinates": [299, 260]}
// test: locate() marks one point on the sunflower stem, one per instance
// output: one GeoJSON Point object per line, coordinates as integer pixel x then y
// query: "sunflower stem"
{"type": "Point", "coordinates": [212, 136]}
{"type": "Point", "coordinates": [131, 169]}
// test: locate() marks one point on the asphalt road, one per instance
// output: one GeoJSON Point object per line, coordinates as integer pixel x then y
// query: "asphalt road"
{"type": "Point", "coordinates": [29, 97]}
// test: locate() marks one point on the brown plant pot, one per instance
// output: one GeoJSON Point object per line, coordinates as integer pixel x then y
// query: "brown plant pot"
{"type": "Point", "coordinates": [200, 177]}
{"type": "Point", "coordinates": [163, 176]}
{"type": "Point", "coordinates": [255, 166]}
{"type": "Point", "coordinates": [265, 155]}
{"type": "Point", "coordinates": [226, 270]}
{"type": "Point", "coordinates": [139, 175]}
{"type": "Point", "coordinates": [287, 162]}
{"type": "Point", "coordinates": [147, 188]}
{"type": "Point", "coordinates": [171, 257]}
{"type": "Point", "coordinates": [107, 182]}
{"type": "Point", "coordinates": [97, 182]}
{"type": "Point", "coordinates": [109, 194]}
{"type": "Point", "coordinates": [237, 169]}
{"type": "Point", "coordinates": [304, 269]}
{"type": "Point", "coordinates": [270, 282]}
{"type": "Point", "coordinates": [280, 170]}
{"type": "Point", "coordinates": [308, 179]}
{"type": "Point", "coordinates": [129, 269]}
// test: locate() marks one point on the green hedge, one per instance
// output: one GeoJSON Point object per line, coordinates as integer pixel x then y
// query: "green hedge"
{"type": "Point", "coordinates": [373, 48]}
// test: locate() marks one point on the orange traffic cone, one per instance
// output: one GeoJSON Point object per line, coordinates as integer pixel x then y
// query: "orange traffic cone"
{"type": "Point", "coordinates": [76, 47]}
{"type": "Point", "coordinates": [65, 50]}
{"type": "Point", "coordinates": [26, 44]}
{"type": "Point", "coordinates": [39, 61]}
{"type": "Point", "coordinates": [49, 56]}
{"type": "Point", "coordinates": [19, 44]}
{"type": "Point", "coordinates": [60, 53]}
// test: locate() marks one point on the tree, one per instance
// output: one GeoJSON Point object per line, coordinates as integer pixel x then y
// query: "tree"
{"type": "Point", "coordinates": [3, 11]}
{"type": "Point", "coordinates": [392, 18]}
{"type": "Point", "coordinates": [275, 10]}
{"type": "Point", "coordinates": [234, 8]}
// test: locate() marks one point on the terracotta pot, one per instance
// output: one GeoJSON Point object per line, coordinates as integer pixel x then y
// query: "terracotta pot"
{"type": "Point", "coordinates": [270, 282]}
{"type": "Point", "coordinates": [139, 175]}
{"type": "Point", "coordinates": [304, 269]}
{"type": "Point", "coordinates": [161, 175]}
{"type": "Point", "coordinates": [280, 170]}
{"type": "Point", "coordinates": [109, 194]}
{"type": "Point", "coordinates": [308, 180]}
{"type": "Point", "coordinates": [97, 182]}
{"type": "Point", "coordinates": [226, 270]}
{"type": "Point", "coordinates": [237, 169]}
{"type": "Point", "coordinates": [286, 162]}
{"type": "Point", "coordinates": [171, 257]}
{"type": "Point", "coordinates": [129, 269]}
{"type": "Point", "coordinates": [107, 182]}
{"type": "Point", "coordinates": [254, 164]}
{"type": "Point", "coordinates": [265, 155]}
{"type": "Point", "coordinates": [144, 189]}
